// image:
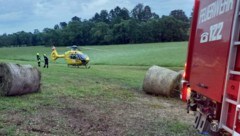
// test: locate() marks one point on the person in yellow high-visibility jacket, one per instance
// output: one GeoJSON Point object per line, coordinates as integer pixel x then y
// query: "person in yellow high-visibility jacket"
{"type": "Point", "coordinates": [38, 60]}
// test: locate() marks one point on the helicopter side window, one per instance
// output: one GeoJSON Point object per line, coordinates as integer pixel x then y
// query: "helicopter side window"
{"type": "Point", "coordinates": [73, 56]}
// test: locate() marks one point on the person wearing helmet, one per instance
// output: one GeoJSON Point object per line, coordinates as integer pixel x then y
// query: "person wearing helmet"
{"type": "Point", "coordinates": [38, 60]}
{"type": "Point", "coordinates": [45, 61]}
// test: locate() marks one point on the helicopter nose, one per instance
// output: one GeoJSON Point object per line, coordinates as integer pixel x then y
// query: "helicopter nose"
{"type": "Point", "coordinates": [87, 59]}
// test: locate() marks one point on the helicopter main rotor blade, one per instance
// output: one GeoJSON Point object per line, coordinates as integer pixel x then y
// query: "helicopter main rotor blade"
{"type": "Point", "coordinates": [94, 49]}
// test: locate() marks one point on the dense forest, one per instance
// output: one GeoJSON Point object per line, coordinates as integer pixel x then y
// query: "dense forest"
{"type": "Point", "coordinates": [118, 26]}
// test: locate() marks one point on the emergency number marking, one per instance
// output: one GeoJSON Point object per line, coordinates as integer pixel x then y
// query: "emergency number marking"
{"type": "Point", "coordinates": [215, 9]}
{"type": "Point", "coordinates": [214, 34]}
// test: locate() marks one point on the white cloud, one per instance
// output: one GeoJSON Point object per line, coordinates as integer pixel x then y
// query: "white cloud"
{"type": "Point", "coordinates": [11, 16]}
{"type": "Point", "coordinates": [27, 15]}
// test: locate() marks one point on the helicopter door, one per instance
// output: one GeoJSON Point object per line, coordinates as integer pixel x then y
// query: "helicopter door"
{"type": "Point", "coordinates": [73, 56]}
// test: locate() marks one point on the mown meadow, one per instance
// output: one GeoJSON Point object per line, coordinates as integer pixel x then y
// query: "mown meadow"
{"type": "Point", "coordinates": [104, 100]}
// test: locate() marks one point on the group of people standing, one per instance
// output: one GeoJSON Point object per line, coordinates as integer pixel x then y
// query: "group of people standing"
{"type": "Point", "coordinates": [45, 60]}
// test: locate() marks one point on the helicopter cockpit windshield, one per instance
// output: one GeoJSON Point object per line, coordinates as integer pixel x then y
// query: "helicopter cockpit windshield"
{"type": "Point", "coordinates": [79, 56]}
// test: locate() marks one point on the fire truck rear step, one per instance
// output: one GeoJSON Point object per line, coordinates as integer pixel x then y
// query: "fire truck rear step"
{"type": "Point", "coordinates": [227, 129]}
{"type": "Point", "coordinates": [236, 134]}
{"type": "Point", "coordinates": [197, 119]}
{"type": "Point", "coordinates": [234, 72]}
{"type": "Point", "coordinates": [231, 101]}
{"type": "Point", "coordinates": [237, 43]}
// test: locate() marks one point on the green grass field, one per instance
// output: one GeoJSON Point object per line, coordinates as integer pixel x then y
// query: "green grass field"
{"type": "Point", "coordinates": [103, 100]}
{"type": "Point", "coordinates": [164, 54]}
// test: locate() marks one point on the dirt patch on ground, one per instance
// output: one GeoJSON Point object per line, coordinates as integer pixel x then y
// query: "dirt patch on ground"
{"type": "Point", "coordinates": [144, 115]}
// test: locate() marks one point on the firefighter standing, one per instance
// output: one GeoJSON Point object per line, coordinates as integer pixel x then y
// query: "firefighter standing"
{"type": "Point", "coordinates": [38, 60]}
{"type": "Point", "coordinates": [45, 61]}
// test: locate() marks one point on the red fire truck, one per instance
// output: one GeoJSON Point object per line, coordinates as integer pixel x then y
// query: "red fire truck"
{"type": "Point", "coordinates": [211, 84]}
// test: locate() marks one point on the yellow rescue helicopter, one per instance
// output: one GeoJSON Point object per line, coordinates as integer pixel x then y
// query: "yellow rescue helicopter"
{"type": "Point", "coordinates": [73, 57]}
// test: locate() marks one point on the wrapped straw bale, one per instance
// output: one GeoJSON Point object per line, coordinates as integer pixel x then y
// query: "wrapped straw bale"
{"type": "Point", "coordinates": [161, 81]}
{"type": "Point", "coordinates": [18, 79]}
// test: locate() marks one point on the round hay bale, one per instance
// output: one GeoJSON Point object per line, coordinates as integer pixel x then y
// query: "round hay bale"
{"type": "Point", "coordinates": [181, 72]}
{"type": "Point", "coordinates": [161, 81]}
{"type": "Point", "coordinates": [18, 79]}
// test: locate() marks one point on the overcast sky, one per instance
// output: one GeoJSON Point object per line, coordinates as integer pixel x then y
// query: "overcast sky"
{"type": "Point", "coordinates": [27, 15]}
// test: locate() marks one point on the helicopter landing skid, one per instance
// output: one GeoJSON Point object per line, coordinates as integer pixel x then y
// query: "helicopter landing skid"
{"type": "Point", "coordinates": [78, 66]}
{"type": "Point", "coordinates": [87, 66]}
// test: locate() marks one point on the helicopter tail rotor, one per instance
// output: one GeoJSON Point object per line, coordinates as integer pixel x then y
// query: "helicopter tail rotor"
{"type": "Point", "coordinates": [55, 55]}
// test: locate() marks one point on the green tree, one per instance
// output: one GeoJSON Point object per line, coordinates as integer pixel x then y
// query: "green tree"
{"type": "Point", "coordinates": [114, 14]}
{"type": "Point", "coordinates": [142, 13]}
{"type": "Point", "coordinates": [180, 15]}
{"type": "Point", "coordinates": [51, 37]}
{"type": "Point", "coordinates": [99, 33]}
{"type": "Point", "coordinates": [76, 19]}
{"type": "Point", "coordinates": [118, 14]}
{"type": "Point", "coordinates": [96, 18]}
{"type": "Point", "coordinates": [74, 31]}
{"type": "Point", "coordinates": [56, 27]}
{"type": "Point", "coordinates": [147, 13]}
{"type": "Point", "coordinates": [173, 29]}
{"type": "Point", "coordinates": [4, 40]}
{"type": "Point", "coordinates": [121, 32]}
{"type": "Point", "coordinates": [103, 17]}
{"type": "Point", "coordinates": [138, 12]}
{"type": "Point", "coordinates": [86, 34]}
{"type": "Point", "coordinates": [24, 38]}
{"type": "Point", "coordinates": [119, 26]}
{"type": "Point", "coordinates": [63, 25]}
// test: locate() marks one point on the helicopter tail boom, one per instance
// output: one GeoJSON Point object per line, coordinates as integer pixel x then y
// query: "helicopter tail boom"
{"type": "Point", "coordinates": [55, 55]}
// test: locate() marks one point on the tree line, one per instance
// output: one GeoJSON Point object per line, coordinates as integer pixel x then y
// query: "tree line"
{"type": "Point", "coordinates": [118, 26]}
